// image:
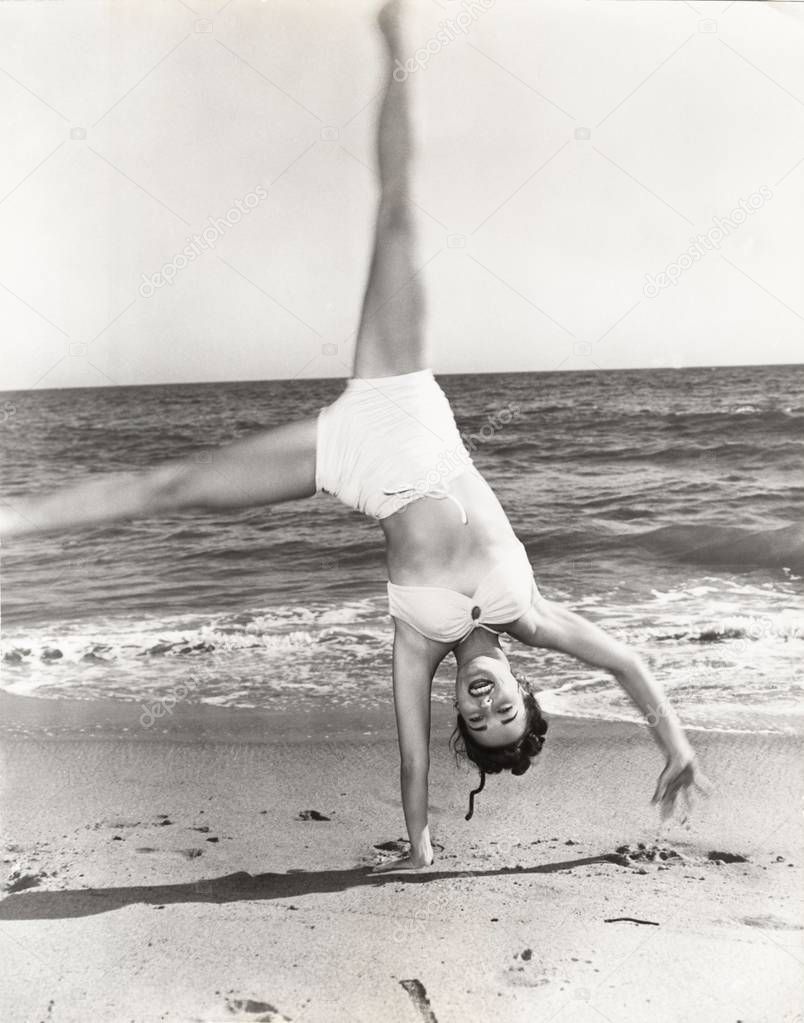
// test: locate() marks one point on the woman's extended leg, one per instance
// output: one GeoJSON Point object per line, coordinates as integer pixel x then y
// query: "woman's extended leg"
{"type": "Point", "coordinates": [278, 465]}
{"type": "Point", "coordinates": [390, 338]}
{"type": "Point", "coordinates": [266, 468]}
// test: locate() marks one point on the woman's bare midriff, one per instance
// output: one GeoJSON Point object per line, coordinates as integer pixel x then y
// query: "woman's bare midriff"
{"type": "Point", "coordinates": [427, 544]}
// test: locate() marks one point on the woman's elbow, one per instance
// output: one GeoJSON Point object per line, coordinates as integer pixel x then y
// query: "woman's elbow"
{"type": "Point", "coordinates": [417, 766]}
{"type": "Point", "coordinates": [630, 665]}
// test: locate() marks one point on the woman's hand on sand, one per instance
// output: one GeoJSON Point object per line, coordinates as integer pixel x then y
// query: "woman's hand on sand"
{"type": "Point", "coordinates": [679, 776]}
{"type": "Point", "coordinates": [403, 863]}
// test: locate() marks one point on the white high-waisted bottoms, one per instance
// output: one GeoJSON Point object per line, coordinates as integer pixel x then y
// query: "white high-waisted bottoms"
{"type": "Point", "coordinates": [388, 441]}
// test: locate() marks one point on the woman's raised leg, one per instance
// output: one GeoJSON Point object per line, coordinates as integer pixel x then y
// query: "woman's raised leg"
{"type": "Point", "coordinates": [266, 468]}
{"type": "Point", "coordinates": [390, 338]}
{"type": "Point", "coordinates": [278, 465]}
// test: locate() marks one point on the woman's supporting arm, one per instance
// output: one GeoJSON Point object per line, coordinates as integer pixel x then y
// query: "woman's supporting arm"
{"type": "Point", "coordinates": [415, 661]}
{"type": "Point", "coordinates": [272, 466]}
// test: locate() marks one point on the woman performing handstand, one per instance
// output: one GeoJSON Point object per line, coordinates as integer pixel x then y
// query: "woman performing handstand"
{"type": "Point", "coordinates": [389, 447]}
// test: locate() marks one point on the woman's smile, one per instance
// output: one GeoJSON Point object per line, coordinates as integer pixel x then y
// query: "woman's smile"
{"type": "Point", "coordinates": [480, 687]}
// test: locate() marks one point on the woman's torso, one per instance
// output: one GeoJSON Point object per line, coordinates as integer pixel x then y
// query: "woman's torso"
{"type": "Point", "coordinates": [428, 544]}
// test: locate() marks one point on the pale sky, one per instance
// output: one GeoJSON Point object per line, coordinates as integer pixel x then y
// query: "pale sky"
{"type": "Point", "coordinates": [567, 149]}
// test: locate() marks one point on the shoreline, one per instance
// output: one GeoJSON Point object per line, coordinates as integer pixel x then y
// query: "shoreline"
{"type": "Point", "coordinates": [22, 714]}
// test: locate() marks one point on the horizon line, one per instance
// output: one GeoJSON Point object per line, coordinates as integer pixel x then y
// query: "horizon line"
{"type": "Point", "coordinates": [459, 373]}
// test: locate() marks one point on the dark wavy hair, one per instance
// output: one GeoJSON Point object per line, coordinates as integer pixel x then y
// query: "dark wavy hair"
{"type": "Point", "coordinates": [515, 757]}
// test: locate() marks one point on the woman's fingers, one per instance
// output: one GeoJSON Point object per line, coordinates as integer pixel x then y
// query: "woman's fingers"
{"type": "Point", "coordinates": [382, 868]}
{"type": "Point", "coordinates": [673, 781]}
{"type": "Point", "coordinates": [668, 804]}
{"type": "Point", "coordinates": [703, 784]}
{"type": "Point", "coordinates": [404, 863]}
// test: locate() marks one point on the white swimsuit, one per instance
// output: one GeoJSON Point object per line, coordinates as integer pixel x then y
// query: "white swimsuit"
{"type": "Point", "coordinates": [503, 595]}
{"type": "Point", "coordinates": [388, 441]}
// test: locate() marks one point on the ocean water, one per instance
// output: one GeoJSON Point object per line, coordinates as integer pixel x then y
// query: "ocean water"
{"type": "Point", "coordinates": [665, 505]}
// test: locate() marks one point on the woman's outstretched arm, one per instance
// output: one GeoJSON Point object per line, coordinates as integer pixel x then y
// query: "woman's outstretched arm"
{"type": "Point", "coordinates": [269, 467]}
{"type": "Point", "coordinates": [557, 628]}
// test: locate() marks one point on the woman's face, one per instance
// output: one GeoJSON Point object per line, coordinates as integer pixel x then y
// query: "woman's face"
{"type": "Point", "coordinates": [489, 699]}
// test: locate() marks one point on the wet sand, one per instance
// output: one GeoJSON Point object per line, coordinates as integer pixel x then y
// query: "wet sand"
{"type": "Point", "coordinates": [176, 873]}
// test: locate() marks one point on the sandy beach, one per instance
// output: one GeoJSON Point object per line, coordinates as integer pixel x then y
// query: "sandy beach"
{"type": "Point", "coordinates": [175, 873]}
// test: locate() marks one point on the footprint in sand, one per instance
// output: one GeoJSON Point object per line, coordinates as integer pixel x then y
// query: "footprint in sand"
{"type": "Point", "coordinates": [118, 823]}
{"type": "Point", "coordinates": [188, 854]}
{"type": "Point", "coordinates": [527, 971]}
{"type": "Point", "coordinates": [384, 852]}
{"type": "Point", "coordinates": [649, 853]}
{"type": "Point", "coordinates": [255, 1011]}
{"type": "Point", "coordinates": [399, 847]}
{"type": "Point", "coordinates": [19, 880]}
{"type": "Point", "coordinates": [726, 857]}
{"type": "Point", "coordinates": [771, 923]}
